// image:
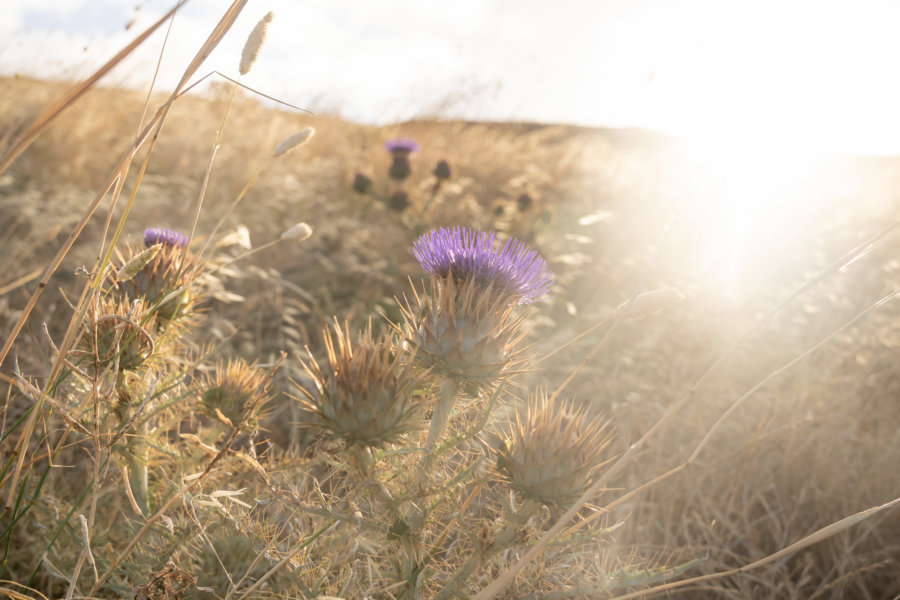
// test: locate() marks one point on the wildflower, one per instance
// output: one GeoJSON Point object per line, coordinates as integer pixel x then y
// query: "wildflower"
{"type": "Point", "coordinates": [235, 392]}
{"type": "Point", "coordinates": [164, 282]}
{"type": "Point", "coordinates": [512, 270]}
{"type": "Point", "coordinates": [362, 184]}
{"type": "Point", "coordinates": [551, 453]}
{"type": "Point", "coordinates": [366, 395]}
{"type": "Point", "coordinates": [400, 150]}
{"type": "Point", "coordinates": [166, 237]}
{"type": "Point", "coordinates": [442, 170]}
{"type": "Point", "coordinates": [399, 201]}
{"type": "Point", "coordinates": [401, 146]}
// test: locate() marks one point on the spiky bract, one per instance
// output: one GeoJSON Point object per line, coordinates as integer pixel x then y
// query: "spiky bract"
{"type": "Point", "coordinates": [552, 451]}
{"type": "Point", "coordinates": [237, 391]}
{"type": "Point", "coordinates": [116, 333]}
{"type": "Point", "coordinates": [464, 334]}
{"type": "Point", "coordinates": [512, 269]}
{"type": "Point", "coordinates": [367, 394]}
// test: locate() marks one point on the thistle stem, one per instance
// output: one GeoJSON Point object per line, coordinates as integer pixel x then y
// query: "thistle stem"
{"type": "Point", "coordinates": [441, 417]}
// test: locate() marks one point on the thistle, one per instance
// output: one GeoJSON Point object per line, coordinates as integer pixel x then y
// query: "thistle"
{"type": "Point", "coordinates": [551, 452]}
{"type": "Point", "coordinates": [235, 392]}
{"type": "Point", "coordinates": [401, 149]}
{"type": "Point", "coordinates": [512, 270]}
{"type": "Point", "coordinates": [164, 283]}
{"type": "Point", "coordinates": [118, 333]}
{"type": "Point", "coordinates": [367, 394]}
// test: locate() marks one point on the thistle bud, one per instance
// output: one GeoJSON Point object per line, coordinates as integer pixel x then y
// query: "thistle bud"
{"type": "Point", "coordinates": [165, 281]}
{"type": "Point", "coordinates": [442, 170]}
{"type": "Point", "coordinates": [366, 394]}
{"type": "Point", "coordinates": [118, 332]}
{"type": "Point", "coordinates": [551, 452]}
{"type": "Point", "coordinates": [235, 392]}
{"type": "Point", "coordinates": [362, 184]}
{"type": "Point", "coordinates": [399, 201]}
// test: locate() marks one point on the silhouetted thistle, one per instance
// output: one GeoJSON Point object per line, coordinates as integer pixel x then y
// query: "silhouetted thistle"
{"type": "Point", "coordinates": [512, 269]}
{"type": "Point", "coordinates": [166, 237]}
{"type": "Point", "coordinates": [362, 184]}
{"type": "Point", "coordinates": [524, 202]}
{"type": "Point", "coordinates": [552, 451]}
{"type": "Point", "coordinates": [401, 149]}
{"type": "Point", "coordinates": [442, 170]}
{"type": "Point", "coordinates": [366, 393]}
{"type": "Point", "coordinates": [398, 201]}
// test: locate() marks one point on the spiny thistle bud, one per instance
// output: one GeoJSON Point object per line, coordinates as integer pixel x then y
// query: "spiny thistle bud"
{"type": "Point", "coordinates": [235, 391]}
{"type": "Point", "coordinates": [366, 394]}
{"type": "Point", "coordinates": [362, 184]}
{"type": "Point", "coordinates": [552, 452]}
{"type": "Point", "coordinates": [512, 270]}
{"type": "Point", "coordinates": [442, 170]}
{"type": "Point", "coordinates": [400, 150]}
{"type": "Point", "coordinates": [399, 201]}
{"type": "Point", "coordinates": [464, 334]}
{"type": "Point", "coordinates": [118, 331]}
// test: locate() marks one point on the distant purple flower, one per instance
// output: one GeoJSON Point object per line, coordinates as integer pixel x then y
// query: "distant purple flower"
{"type": "Point", "coordinates": [463, 254]}
{"type": "Point", "coordinates": [166, 237]}
{"type": "Point", "coordinates": [401, 145]}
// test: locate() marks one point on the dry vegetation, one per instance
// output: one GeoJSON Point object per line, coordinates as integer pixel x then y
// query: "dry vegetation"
{"type": "Point", "coordinates": [613, 212]}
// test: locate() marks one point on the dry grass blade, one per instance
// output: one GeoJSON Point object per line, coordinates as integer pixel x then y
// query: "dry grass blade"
{"type": "Point", "coordinates": [814, 538]}
{"type": "Point", "coordinates": [76, 92]}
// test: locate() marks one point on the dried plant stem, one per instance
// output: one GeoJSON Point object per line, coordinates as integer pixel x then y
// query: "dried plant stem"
{"type": "Point", "coordinates": [185, 488]}
{"type": "Point", "coordinates": [446, 397]}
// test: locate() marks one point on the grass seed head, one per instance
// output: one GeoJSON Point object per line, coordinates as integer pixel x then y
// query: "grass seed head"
{"type": "Point", "coordinates": [254, 43]}
{"type": "Point", "coordinates": [366, 395]}
{"type": "Point", "coordinates": [298, 232]}
{"type": "Point", "coordinates": [293, 141]}
{"type": "Point", "coordinates": [551, 452]}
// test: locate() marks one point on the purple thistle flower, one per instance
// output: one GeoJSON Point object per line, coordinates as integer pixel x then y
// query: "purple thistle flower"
{"type": "Point", "coordinates": [166, 237]}
{"type": "Point", "coordinates": [401, 145]}
{"type": "Point", "coordinates": [462, 254]}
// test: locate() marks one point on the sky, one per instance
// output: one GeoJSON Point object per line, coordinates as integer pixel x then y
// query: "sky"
{"type": "Point", "coordinates": [801, 74]}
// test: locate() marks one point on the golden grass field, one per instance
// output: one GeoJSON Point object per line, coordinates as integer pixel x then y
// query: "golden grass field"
{"type": "Point", "coordinates": [614, 213]}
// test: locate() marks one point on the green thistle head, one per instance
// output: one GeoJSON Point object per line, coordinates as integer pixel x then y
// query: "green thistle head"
{"type": "Point", "coordinates": [166, 282]}
{"type": "Point", "coordinates": [551, 452]}
{"type": "Point", "coordinates": [366, 395]}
